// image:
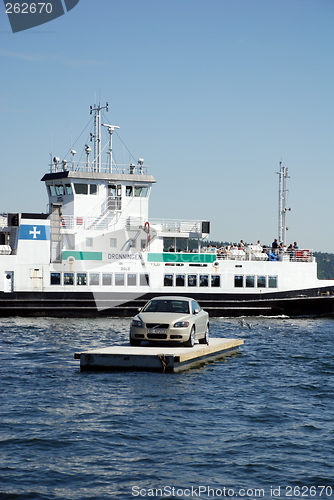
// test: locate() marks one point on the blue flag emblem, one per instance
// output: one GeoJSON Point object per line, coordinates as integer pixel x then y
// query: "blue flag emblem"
{"type": "Point", "coordinates": [34, 232]}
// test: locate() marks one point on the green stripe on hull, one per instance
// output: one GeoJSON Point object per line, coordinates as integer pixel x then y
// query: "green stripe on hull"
{"type": "Point", "coordinates": [201, 258]}
{"type": "Point", "coordinates": [82, 255]}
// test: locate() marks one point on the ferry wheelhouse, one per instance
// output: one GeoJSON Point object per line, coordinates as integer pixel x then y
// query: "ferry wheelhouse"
{"type": "Point", "coordinates": [98, 252]}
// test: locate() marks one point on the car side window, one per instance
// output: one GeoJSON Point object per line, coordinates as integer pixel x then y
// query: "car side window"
{"type": "Point", "coordinates": [195, 306]}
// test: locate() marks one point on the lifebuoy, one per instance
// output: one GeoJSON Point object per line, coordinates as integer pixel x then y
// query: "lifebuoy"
{"type": "Point", "coordinates": [306, 254]}
{"type": "Point", "coordinates": [147, 227]}
{"type": "Point", "coordinates": [63, 222]}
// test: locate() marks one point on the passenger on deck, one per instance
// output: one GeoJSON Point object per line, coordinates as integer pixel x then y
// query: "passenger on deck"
{"type": "Point", "coordinates": [274, 246]}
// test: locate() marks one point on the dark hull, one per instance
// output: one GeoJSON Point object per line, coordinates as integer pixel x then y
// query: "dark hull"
{"type": "Point", "coordinates": [307, 303]}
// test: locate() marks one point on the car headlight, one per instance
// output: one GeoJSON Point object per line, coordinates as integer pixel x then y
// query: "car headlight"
{"type": "Point", "coordinates": [181, 324]}
{"type": "Point", "coordinates": [137, 322]}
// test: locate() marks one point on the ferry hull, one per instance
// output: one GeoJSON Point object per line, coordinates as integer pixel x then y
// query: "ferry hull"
{"type": "Point", "coordinates": [304, 303]}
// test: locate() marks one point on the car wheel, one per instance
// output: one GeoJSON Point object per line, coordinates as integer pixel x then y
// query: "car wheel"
{"type": "Point", "coordinates": [205, 339]}
{"type": "Point", "coordinates": [134, 342]}
{"type": "Point", "coordinates": [191, 341]}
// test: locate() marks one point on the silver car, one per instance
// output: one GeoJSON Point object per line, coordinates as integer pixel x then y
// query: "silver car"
{"type": "Point", "coordinates": [170, 319]}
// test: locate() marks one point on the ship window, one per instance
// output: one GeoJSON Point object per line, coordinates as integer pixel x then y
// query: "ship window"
{"type": "Point", "coordinates": [52, 190]}
{"type": "Point", "coordinates": [94, 279]}
{"type": "Point", "coordinates": [81, 188]}
{"type": "Point", "coordinates": [132, 243]}
{"type": "Point", "coordinates": [81, 279]}
{"type": "Point", "coordinates": [92, 188]}
{"type": "Point", "coordinates": [215, 281]}
{"type": "Point", "coordinates": [261, 282]}
{"type": "Point", "coordinates": [144, 191]}
{"type": "Point", "coordinates": [272, 281]}
{"type": "Point", "coordinates": [138, 191]}
{"type": "Point", "coordinates": [68, 189]}
{"type": "Point", "coordinates": [203, 280]}
{"type": "Point", "coordinates": [59, 189]}
{"type": "Point", "coordinates": [128, 190]}
{"type": "Point", "coordinates": [68, 278]}
{"type": "Point", "coordinates": [144, 280]}
{"type": "Point", "coordinates": [192, 280]}
{"type": "Point", "coordinates": [180, 280]}
{"type": "Point", "coordinates": [55, 278]}
{"type": "Point", "coordinates": [106, 279]}
{"type": "Point", "coordinates": [89, 242]}
{"type": "Point", "coordinates": [168, 280]}
{"type": "Point", "coordinates": [238, 281]}
{"type": "Point", "coordinates": [250, 281]}
{"type": "Point", "coordinates": [119, 279]}
{"type": "Point", "coordinates": [113, 242]}
{"type": "Point", "coordinates": [132, 279]}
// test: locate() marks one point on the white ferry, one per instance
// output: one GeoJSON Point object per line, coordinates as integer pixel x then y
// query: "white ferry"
{"type": "Point", "coordinates": [97, 251]}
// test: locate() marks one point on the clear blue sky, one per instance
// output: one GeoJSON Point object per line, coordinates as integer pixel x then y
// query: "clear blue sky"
{"type": "Point", "coordinates": [212, 94]}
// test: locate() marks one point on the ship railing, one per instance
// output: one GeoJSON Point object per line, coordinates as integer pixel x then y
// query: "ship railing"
{"type": "Point", "coordinates": [177, 226]}
{"type": "Point", "coordinates": [71, 222]}
{"type": "Point", "coordinates": [63, 166]}
{"type": "Point", "coordinates": [256, 255]}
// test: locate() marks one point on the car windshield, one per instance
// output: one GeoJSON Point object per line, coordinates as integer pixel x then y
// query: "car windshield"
{"type": "Point", "coordinates": [173, 306]}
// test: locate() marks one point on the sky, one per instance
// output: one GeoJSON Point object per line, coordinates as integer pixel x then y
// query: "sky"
{"type": "Point", "coordinates": [213, 94]}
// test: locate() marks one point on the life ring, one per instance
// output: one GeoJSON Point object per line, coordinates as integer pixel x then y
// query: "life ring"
{"type": "Point", "coordinates": [147, 227]}
{"type": "Point", "coordinates": [306, 254]}
{"type": "Point", "coordinates": [63, 222]}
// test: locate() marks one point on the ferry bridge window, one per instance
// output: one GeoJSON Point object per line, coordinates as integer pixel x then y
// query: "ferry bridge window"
{"type": "Point", "coordinates": [54, 278]}
{"type": "Point", "coordinates": [261, 282]}
{"type": "Point", "coordinates": [106, 279]}
{"type": "Point", "coordinates": [60, 191]}
{"type": "Point", "coordinates": [238, 281]}
{"type": "Point", "coordinates": [94, 279]}
{"type": "Point", "coordinates": [132, 279]}
{"type": "Point", "coordinates": [128, 190]}
{"type": "Point", "coordinates": [144, 191]}
{"type": "Point", "coordinates": [192, 280]}
{"type": "Point", "coordinates": [92, 188]}
{"type": "Point", "coordinates": [81, 279]}
{"type": "Point", "coordinates": [168, 280]}
{"type": "Point", "coordinates": [52, 190]}
{"type": "Point", "coordinates": [272, 281]}
{"type": "Point", "coordinates": [215, 280]}
{"type": "Point", "coordinates": [68, 278]}
{"type": "Point", "coordinates": [119, 279]}
{"type": "Point", "coordinates": [81, 188]}
{"type": "Point", "coordinates": [144, 280]}
{"type": "Point", "coordinates": [68, 189]}
{"type": "Point", "coordinates": [138, 191]}
{"type": "Point", "coordinates": [204, 280]}
{"type": "Point", "coordinates": [180, 280]}
{"type": "Point", "coordinates": [250, 281]}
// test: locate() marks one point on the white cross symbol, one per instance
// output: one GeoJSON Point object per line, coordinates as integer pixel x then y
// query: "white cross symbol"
{"type": "Point", "coordinates": [34, 232]}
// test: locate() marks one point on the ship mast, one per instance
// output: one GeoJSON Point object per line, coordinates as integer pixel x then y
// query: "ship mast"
{"type": "Point", "coordinates": [282, 209]}
{"type": "Point", "coordinates": [97, 135]}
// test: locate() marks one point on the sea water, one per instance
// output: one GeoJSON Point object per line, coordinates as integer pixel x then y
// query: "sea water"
{"type": "Point", "coordinates": [258, 424]}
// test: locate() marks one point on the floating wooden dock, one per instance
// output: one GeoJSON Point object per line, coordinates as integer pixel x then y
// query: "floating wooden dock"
{"type": "Point", "coordinates": [159, 359]}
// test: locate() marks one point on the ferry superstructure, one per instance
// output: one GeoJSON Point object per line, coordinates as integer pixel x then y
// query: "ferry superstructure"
{"type": "Point", "coordinates": [97, 252]}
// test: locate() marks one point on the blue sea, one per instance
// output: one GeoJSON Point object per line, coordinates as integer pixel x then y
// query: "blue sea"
{"type": "Point", "coordinates": [258, 424]}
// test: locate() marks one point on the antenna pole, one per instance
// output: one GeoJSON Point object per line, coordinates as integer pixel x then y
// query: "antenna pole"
{"type": "Point", "coordinates": [282, 209]}
{"type": "Point", "coordinates": [97, 135]}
